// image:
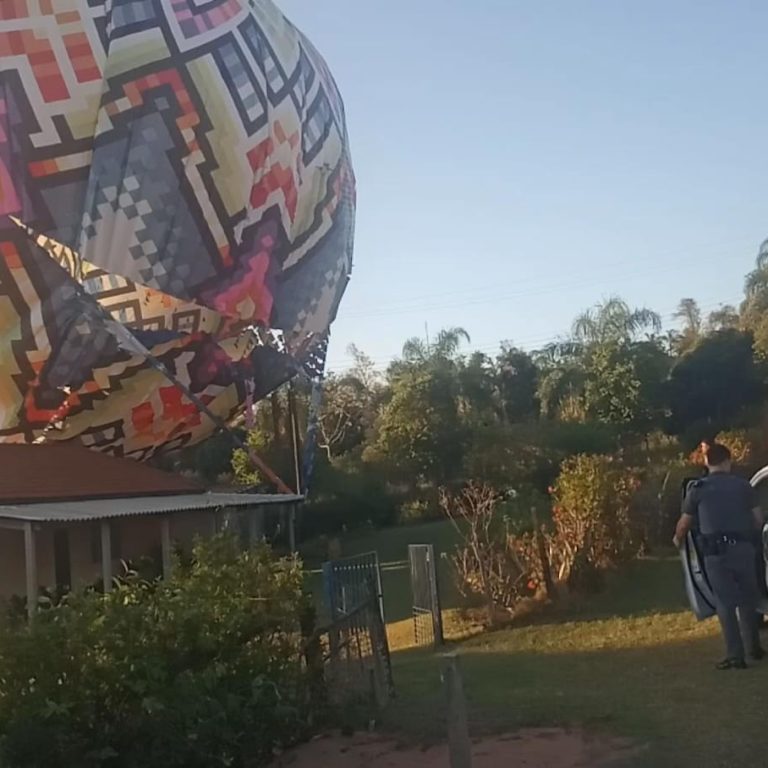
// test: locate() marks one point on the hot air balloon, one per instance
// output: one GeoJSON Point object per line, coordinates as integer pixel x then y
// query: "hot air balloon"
{"type": "Point", "coordinates": [176, 217]}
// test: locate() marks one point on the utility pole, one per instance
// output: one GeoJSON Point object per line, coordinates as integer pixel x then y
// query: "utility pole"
{"type": "Point", "coordinates": [295, 436]}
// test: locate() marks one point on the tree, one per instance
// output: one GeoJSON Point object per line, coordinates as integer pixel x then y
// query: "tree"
{"type": "Point", "coordinates": [213, 458]}
{"type": "Point", "coordinates": [477, 388]}
{"type": "Point", "coordinates": [517, 379]}
{"type": "Point", "coordinates": [444, 348]}
{"type": "Point", "coordinates": [754, 309]}
{"type": "Point", "coordinates": [342, 420]}
{"type": "Point", "coordinates": [560, 390]}
{"type": "Point", "coordinates": [722, 318]}
{"type": "Point", "coordinates": [419, 431]}
{"type": "Point", "coordinates": [591, 375]}
{"type": "Point", "coordinates": [241, 466]}
{"type": "Point", "coordinates": [612, 389]}
{"type": "Point", "coordinates": [711, 386]}
{"type": "Point", "coordinates": [614, 321]}
{"type": "Point", "coordinates": [689, 312]}
{"type": "Point", "coordinates": [364, 369]}
{"type": "Point", "coordinates": [652, 364]}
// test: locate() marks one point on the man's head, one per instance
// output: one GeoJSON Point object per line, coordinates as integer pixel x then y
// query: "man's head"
{"type": "Point", "coordinates": [718, 458]}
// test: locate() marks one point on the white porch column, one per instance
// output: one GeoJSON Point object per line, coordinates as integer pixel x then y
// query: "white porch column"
{"type": "Point", "coordinates": [165, 543]}
{"type": "Point", "coordinates": [30, 565]}
{"type": "Point", "coordinates": [106, 555]}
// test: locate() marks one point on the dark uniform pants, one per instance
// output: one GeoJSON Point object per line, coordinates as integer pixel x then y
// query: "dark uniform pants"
{"type": "Point", "coordinates": [734, 582]}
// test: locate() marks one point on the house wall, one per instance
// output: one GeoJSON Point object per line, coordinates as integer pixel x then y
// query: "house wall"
{"type": "Point", "coordinates": [136, 538]}
{"type": "Point", "coordinates": [12, 578]}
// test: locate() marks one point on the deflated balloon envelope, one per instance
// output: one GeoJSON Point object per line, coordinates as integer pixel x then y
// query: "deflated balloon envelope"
{"type": "Point", "coordinates": [179, 168]}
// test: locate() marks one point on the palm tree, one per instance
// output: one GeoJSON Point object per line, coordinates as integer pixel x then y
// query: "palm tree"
{"type": "Point", "coordinates": [448, 342]}
{"type": "Point", "coordinates": [756, 282]}
{"type": "Point", "coordinates": [445, 347]}
{"type": "Point", "coordinates": [724, 317]}
{"type": "Point", "coordinates": [614, 321]}
{"type": "Point", "coordinates": [689, 312]}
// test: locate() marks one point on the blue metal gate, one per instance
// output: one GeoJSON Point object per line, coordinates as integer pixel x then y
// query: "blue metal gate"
{"type": "Point", "coordinates": [347, 584]}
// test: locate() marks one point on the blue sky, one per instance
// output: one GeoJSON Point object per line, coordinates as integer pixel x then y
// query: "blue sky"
{"type": "Point", "coordinates": [519, 161]}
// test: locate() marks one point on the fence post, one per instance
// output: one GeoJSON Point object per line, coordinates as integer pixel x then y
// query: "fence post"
{"type": "Point", "coordinates": [459, 745]}
{"type": "Point", "coordinates": [329, 586]}
{"type": "Point", "coordinates": [379, 588]}
{"type": "Point", "coordinates": [437, 608]}
{"type": "Point", "coordinates": [381, 655]}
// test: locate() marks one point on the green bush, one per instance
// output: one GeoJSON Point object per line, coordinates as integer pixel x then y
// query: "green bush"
{"type": "Point", "coordinates": [349, 493]}
{"type": "Point", "coordinates": [201, 670]}
{"type": "Point", "coordinates": [596, 528]}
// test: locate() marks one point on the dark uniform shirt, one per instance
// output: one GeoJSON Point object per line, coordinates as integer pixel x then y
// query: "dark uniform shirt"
{"type": "Point", "coordinates": [721, 503]}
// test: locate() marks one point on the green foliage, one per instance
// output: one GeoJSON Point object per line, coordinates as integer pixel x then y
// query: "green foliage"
{"type": "Point", "coordinates": [419, 431]}
{"type": "Point", "coordinates": [245, 473]}
{"type": "Point", "coordinates": [346, 416]}
{"type": "Point", "coordinates": [349, 493]}
{"type": "Point", "coordinates": [213, 458]}
{"type": "Point", "coordinates": [711, 386]}
{"type": "Point", "coordinates": [517, 377]}
{"type": "Point", "coordinates": [202, 670]}
{"type": "Point", "coordinates": [595, 529]}
{"type": "Point", "coordinates": [417, 511]}
{"type": "Point", "coordinates": [614, 322]}
{"type": "Point", "coordinates": [511, 457]}
{"type": "Point", "coordinates": [612, 390]}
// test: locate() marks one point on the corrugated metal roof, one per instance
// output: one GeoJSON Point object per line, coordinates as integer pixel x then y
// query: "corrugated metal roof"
{"type": "Point", "coordinates": [84, 511]}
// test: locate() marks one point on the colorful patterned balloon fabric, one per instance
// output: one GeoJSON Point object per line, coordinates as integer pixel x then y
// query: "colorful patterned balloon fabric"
{"type": "Point", "coordinates": [176, 194]}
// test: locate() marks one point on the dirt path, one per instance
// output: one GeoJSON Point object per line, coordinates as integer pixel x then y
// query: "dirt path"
{"type": "Point", "coordinates": [533, 748]}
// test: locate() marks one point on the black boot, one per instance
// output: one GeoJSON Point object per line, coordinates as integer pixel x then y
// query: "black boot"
{"type": "Point", "coordinates": [731, 664]}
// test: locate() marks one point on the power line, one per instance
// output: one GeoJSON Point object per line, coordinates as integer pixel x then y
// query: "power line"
{"type": "Point", "coordinates": [415, 304]}
{"type": "Point", "coordinates": [530, 343]}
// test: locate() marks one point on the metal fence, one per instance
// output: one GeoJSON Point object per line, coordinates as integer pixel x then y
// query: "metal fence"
{"type": "Point", "coordinates": [347, 584]}
{"type": "Point", "coordinates": [356, 658]}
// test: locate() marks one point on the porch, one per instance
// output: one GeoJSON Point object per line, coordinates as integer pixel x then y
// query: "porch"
{"type": "Point", "coordinates": [74, 544]}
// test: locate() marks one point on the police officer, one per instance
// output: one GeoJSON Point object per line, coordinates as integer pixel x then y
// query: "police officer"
{"type": "Point", "coordinates": [725, 509]}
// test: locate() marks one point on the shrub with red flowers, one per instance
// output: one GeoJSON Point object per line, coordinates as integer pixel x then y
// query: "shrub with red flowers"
{"type": "Point", "coordinates": [492, 562]}
{"type": "Point", "coordinates": [595, 527]}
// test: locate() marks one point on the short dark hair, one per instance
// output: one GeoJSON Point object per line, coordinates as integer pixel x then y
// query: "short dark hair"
{"type": "Point", "coordinates": [717, 454]}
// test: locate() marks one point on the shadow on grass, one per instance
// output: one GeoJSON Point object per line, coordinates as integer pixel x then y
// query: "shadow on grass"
{"type": "Point", "coordinates": [631, 661]}
{"type": "Point", "coordinates": [666, 697]}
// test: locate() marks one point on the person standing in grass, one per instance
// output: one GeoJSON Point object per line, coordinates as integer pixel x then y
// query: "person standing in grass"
{"type": "Point", "coordinates": [725, 509]}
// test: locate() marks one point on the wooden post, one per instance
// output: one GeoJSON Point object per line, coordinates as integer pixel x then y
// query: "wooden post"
{"type": "Point", "coordinates": [106, 555]}
{"type": "Point", "coordinates": [295, 437]}
{"type": "Point", "coordinates": [459, 745]}
{"type": "Point", "coordinates": [30, 565]}
{"type": "Point", "coordinates": [434, 595]}
{"type": "Point", "coordinates": [165, 543]}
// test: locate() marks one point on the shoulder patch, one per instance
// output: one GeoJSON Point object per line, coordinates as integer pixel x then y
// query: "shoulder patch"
{"type": "Point", "coordinates": [698, 483]}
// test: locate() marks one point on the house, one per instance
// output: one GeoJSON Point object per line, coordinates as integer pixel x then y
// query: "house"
{"type": "Point", "coordinates": [69, 516]}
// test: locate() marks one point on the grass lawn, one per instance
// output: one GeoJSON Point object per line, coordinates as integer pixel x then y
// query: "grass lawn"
{"type": "Point", "coordinates": [632, 662]}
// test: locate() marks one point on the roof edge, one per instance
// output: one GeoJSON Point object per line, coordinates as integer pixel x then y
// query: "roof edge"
{"type": "Point", "coordinates": [27, 501]}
